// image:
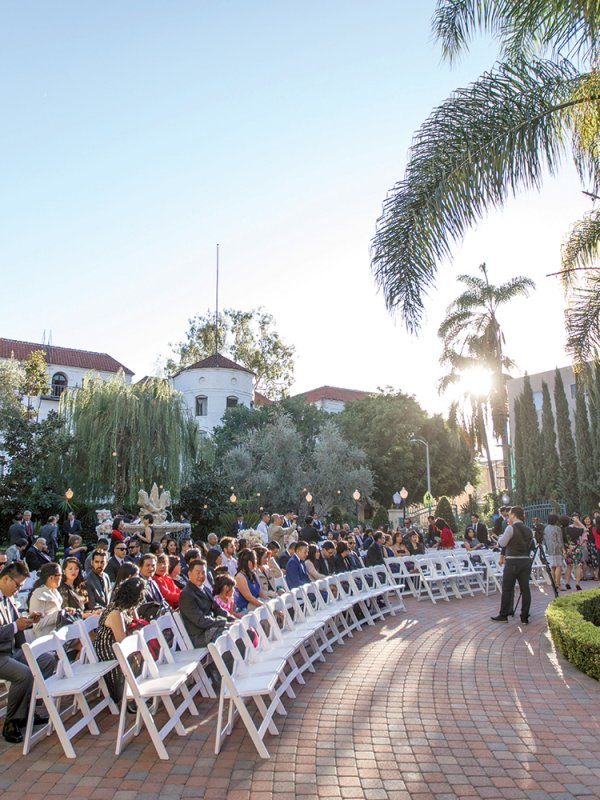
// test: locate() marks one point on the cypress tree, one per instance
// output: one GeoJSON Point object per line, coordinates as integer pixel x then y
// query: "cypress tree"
{"type": "Point", "coordinates": [567, 476]}
{"type": "Point", "coordinates": [588, 496]}
{"type": "Point", "coordinates": [595, 420]}
{"type": "Point", "coordinates": [520, 488]}
{"type": "Point", "coordinates": [550, 463]}
{"type": "Point", "coordinates": [530, 443]}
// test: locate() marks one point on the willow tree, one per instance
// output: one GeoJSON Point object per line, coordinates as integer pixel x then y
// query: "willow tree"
{"type": "Point", "coordinates": [504, 132]}
{"type": "Point", "coordinates": [128, 436]}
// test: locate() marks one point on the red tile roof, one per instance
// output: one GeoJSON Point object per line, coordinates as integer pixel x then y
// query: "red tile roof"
{"type": "Point", "coordinates": [217, 361]}
{"type": "Point", "coordinates": [261, 400]}
{"type": "Point", "coordinates": [62, 356]}
{"type": "Point", "coordinates": [333, 393]}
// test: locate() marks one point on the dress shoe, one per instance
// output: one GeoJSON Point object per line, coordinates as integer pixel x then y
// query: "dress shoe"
{"type": "Point", "coordinates": [524, 620]}
{"type": "Point", "coordinates": [499, 618]}
{"type": "Point", "coordinates": [40, 719]}
{"type": "Point", "coordinates": [12, 733]}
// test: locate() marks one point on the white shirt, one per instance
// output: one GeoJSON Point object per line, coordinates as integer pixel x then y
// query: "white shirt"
{"type": "Point", "coordinates": [230, 562]}
{"type": "Point", "coordinates": [263, 530]}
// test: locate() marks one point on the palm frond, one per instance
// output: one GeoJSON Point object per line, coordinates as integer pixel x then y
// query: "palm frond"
{"type": "Point", "coordinates": [476, 149]}
{"type": "Point", "coordinates": [581, 248]}
{"type": "Point", "coordinates": [582, 319]}
{"type": "Point", "coordinates": [521, 26]}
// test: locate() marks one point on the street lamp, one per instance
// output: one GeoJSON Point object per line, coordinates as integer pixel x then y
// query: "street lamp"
{"type": "Point", "coordinates": [404, 495]}
{"type": "Point", "coordinates": [425, 444]}
{"type": "Point", "coordinates": [232, 497]}
{"type": "Point", "coordinates": [469, 489]}
{"type": "Point", "coordinates": [309, 498]}
{"type": "Point", "coordinates": [356, 497]}
{"type": "Point", "coordinates": [69, 494]}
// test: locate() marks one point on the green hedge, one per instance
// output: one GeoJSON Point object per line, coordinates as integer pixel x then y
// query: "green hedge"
{"type": "Point", "coordinates": [577, 638]}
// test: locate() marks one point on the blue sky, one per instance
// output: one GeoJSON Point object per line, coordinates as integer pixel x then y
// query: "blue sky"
{"type": "Point", "coordinates": [136, 135]}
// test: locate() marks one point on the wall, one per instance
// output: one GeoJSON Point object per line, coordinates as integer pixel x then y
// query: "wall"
{"type": "Point", "coordinates": [216, 383]}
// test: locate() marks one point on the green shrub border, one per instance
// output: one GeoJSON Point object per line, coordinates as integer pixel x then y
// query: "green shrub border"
{"type": "Point", "coordinates": [577, 639]}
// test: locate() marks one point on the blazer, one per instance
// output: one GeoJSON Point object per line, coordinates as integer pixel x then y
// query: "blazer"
{"type": "Point", "coordinates": [9, 640]}
{"type": "Point", "coordinates": [98, 589]}
{"type": "Point", "coordinates": [295, 573]}
{"type": "Point", "coordinates": [16, 532]}
{"type": "Point", "coordinates": [36, 558]}
{"type": "Point", "coordinates": [67, 529]}
{"type": "Point", "coordinates": [375, 555]}
{"type": "Point", "coordinates": [201, 614]}
{"type": "Point", "coordinates": [341, 564]}
{"type": "Point", "coordinates": [112, 567]}
{"type": "Point", "coordinates": [481, 533]}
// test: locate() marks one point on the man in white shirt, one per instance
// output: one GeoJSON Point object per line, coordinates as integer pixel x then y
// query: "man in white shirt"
{"type": "Point", "coordinates": [228, 558]}
{"type": "Point", "coordinates": [263, 527]}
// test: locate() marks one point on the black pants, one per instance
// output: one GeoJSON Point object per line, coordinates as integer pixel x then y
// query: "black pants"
{"type": "Point", "coordinates": [516, 569]}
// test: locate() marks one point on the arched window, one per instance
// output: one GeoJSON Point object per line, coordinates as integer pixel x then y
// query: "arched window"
{"type": "Point", "coordinates": [232, 401]}
{"type": "Point", "coordinates": [201, 405]}
{"type": "Point", "coordinates": [59, 383]}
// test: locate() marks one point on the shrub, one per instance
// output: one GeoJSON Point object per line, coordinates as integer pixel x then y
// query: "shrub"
{"type": "Point", "coordinates": [573, 632]}
{"type": "Point", "coordinates": [444, 510]}
{"type": "Point", "coordinates": [380, 518]}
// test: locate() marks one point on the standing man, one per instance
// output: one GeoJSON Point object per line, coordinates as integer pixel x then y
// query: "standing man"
{"type": "Point", "coordinates": [70, 526]}
{"type": "Point", "coordinates": [17, 531]}
{"type": "Point", "coordinates": [516, 543]}
{"type": "Point", "coordinates": [481, 531]}
{"type": "Point", "coordinates": [49, 531]}
{"type": "Point", "coordinates": [12, 661]}
{"type": "Point", "coordinates": [239, 525]}
{"type": "Point", "coordinates": [309, 533]}
{"type": "Point", "coordinates": [263, 527]}
{"type": "Point", "coordinates": [28, 525]}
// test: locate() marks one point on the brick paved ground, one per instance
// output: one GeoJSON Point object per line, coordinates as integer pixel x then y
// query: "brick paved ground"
{"type": "Point", "coordinates": [438, 703]}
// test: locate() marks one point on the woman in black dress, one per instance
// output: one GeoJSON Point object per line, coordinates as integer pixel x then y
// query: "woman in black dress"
{"type": "Point", "coordinates": [112, 627]}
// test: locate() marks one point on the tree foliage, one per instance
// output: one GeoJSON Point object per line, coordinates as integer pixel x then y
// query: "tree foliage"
{"type": "Point", "coordinates": [128, 436]}
{"type": "Point", "coordinates": [530, 445]}
{"type": "Point", "coordinates": [586, 477]}
{"type": "Point", "coordinates": [249, 338]}
{"type": "Point", "coordinates": [550, 463]}
{"type": "Point", "coordinates": [487, 141]}
{"type": "Point", "coordinates": [567, 476]}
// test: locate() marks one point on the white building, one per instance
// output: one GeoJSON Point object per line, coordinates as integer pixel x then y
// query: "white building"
{"type": "Point", "coordinates": [211, 386]}
{"type": "Point", "coordinates": [67, 367]}
{"type": "Point", "coordinates": [514, 389]}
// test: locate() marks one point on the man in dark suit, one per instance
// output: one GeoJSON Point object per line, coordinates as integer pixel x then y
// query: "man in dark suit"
{"type": "Point", "coordinates": [238, 525]}
{"type": "Point", "coordinates": [70, 526]}
{"type": "Point", "coordinates": [17, 530]}
{"type": "Point", "coordinates": [153, 603]}
{"type": "Point", "coordinates": [204, 619]}
{"type": "Point", "coordinates": [37, 555]}
{"type": "Point", "coordinates": [116, 561]}
{"type": "Point", "coordinates": [481, 531]}
{"type": "Point", "coordinates": [295, 571]}
{"type": "Point", "coordinates": [133, 552]}
{"type": "Point", "coordinates": [28, 525]}
{"type": "Point", "coordinates": [309, 533]}
{"type": "Point", "coordinates": [327, 566]}
{"type": "Point", "coordinates": [13, 667]}
{"type": "Point", "coordinates": [376, 552]}
{"type": "Point", "coordinates": [96, 582]}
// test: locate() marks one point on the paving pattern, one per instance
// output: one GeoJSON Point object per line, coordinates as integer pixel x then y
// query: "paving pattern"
{"type": "Point", "coordinates": [437, 703]}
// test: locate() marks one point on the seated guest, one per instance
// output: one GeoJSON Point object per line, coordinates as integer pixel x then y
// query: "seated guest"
{"type": "Point", "coordinates": [432, 537]}
{"type": "Point", "coordinates": [263, 571]}
{"type": "Point", "coordinates": [175, 570]}
{"type": "Point", "coordinates": [471, 542]}
{"type": "Point", "coordinates": [213, 559]}
{"type": "Point", "coordinates": [341, 560]}
{"type": "Point", "coordinates": [223, 594]}
{"type": "Point", "coordinates": [76, 548]}
{"type": "Point", "coordinates": [153, 603]}
{"type": "Point", "coordinates": [445, 533]}
{"type": "Point", "coordinates": [37, 555]}
{"type": "Point", "coordinates": [171, 548]}
{"type": "Point", "coordinates": [414, 546]}
{"type": "Point", "coordinates": [295, 570]}
{"type": "Point", "coordinates": [186, 545]}
{"type": "Point", "coordinates": [133, 551]}
{"type": "Point", "coordinates": [313, 562]}
{"type": "Point", "coordinates": [13, 668]}
{"type": "Point", "coordinates": [165, 583]}
{"type": "Point", "coordinates": [16, 552]}
{"type": "Point", "coordinates": [228, 558]}
{"type": "Point", "coordinates": [112, 627]}
{"type": "Point", "coordinates": [353, 556]}
{"type": "Point", "coordinates": [46, 600]}
{"type": "Point", "coordinates": [328, 553]}
{"type": "Point", "coordinates": [203, 617]}
{"type": "Point", "coordinates": [376, 553]}
{"type": "Point", "coordinates": [96, 582]}
{"type": "Point", "coordinates": [126, 570]}
{"type": "Point", "coordinates": [212, 541]}
{"type": "Point", "coordinates": [248, 592]}
{"type": "Point", "coordinates": [116, 561]}
{"type": "Point", "coordinates": [387, 543]}
{"type": "Point", "coordinates": [101, 544]}
{"type": "Point", "coordinates": [192, 554]}
{"type": "Point", "coordinates": [481, 531]}
{"type": "Point", "coordinates": [398, 546]}
{"type": "Point", "coordinates": [286, 554]}
{"type": "Point", "coordinates": [117, 534]}
{"type": "Point", "coordinates": [155, 549]}
{"type": "Point", "coordinates": [73, 590]}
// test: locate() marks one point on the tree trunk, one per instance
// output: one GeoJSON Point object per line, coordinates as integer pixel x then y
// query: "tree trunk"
{"type": "Point", "coordinates": [486, 447]}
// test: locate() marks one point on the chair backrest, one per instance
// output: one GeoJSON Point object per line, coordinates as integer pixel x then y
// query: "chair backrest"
{"type": "Point", "coordinates": [91, 623]}
{"type": "Point", "coordinates": [185, 637]}
{"type": "Point", "coordinates": [124, 650]}
{"type": "Point", "coordinates": [45, 644]}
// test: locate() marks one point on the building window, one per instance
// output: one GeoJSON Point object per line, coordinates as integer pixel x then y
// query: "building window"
{"type": "Point", "coordinates": [201, 405]}
{"type": "Point", "coordinates": [232, 401]}
{"type": "Point", "coordinates": [59, 383]}
{"type": "Point", "coordinates": [538, 400]}
{"type": "Point", "coordinates": [573, 391]}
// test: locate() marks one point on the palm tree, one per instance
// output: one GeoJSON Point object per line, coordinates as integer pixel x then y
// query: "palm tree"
{"type": "Point", "coordinates": [498, 135]}
{"type": "Point", "coordinates": [472, 336]}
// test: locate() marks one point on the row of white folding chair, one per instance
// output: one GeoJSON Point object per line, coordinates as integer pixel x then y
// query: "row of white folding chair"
{"type": "Point", "coordinates": [468, 576]}
{"type": "Point", "coordinates": [492, 569]}
{"type": "Point", "coordinates": [292, 632]}
{"type": "Point", "coordinates": [72, 680]}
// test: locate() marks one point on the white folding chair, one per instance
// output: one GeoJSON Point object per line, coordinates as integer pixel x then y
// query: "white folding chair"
{"type": "Point", "coordinates": [175, 650]}
{"type": "Point", "coordinates": [66, 682]}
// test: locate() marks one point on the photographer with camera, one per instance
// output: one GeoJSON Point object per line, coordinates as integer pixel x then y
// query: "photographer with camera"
{"type": "Point", "coordinates": [516, 543]}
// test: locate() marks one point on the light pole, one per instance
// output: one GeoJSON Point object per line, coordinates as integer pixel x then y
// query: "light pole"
{"type": "Point", "coordinates": [403, 495]}
{"type": "Point", "coordinates": [356, 496]}
{"type": "Point", "coordinates": [426, 446]}
{"type": "Point", "coordinates": [469, 489]}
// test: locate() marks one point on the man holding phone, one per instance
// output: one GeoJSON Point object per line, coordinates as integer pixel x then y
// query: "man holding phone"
{"type": "Point", "coordinates": [13, 667]}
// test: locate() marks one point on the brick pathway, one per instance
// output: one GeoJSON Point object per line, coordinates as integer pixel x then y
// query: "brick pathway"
{"type": "Point", "coordinates": [438, 703]}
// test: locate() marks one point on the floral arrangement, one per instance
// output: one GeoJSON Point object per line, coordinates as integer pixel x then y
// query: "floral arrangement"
{"type": "Point", "coordinates": [253, 537]}
{"type": "Point", "coordinates": [104, 527]}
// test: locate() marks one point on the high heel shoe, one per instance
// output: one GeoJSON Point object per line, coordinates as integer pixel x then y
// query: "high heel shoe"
{"type": "Point", "coordinates": [578, 587]}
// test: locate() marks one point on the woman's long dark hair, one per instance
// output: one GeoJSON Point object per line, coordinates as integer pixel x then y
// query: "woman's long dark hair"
{"type": "Point", "coordinates": [126, 570]}
{"type": "Point", "coordinates": [129, 593]}
{"type": "Point", "coordinates": [312, 555]}
{"type": "Point", "coordinates": [116, 522]}
{"type": "Point", "coordinates": [244, 558]}
{"type": "Point", "coordinates": [261, 552]}
{"type": "Point", "coordinates": [212, 557]}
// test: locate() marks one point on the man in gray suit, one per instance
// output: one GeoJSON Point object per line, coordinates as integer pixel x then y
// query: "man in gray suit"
{"type": "Point", "coordinates": [13, 667]}
{"type": "Point", "coordinates": [204, 619]}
